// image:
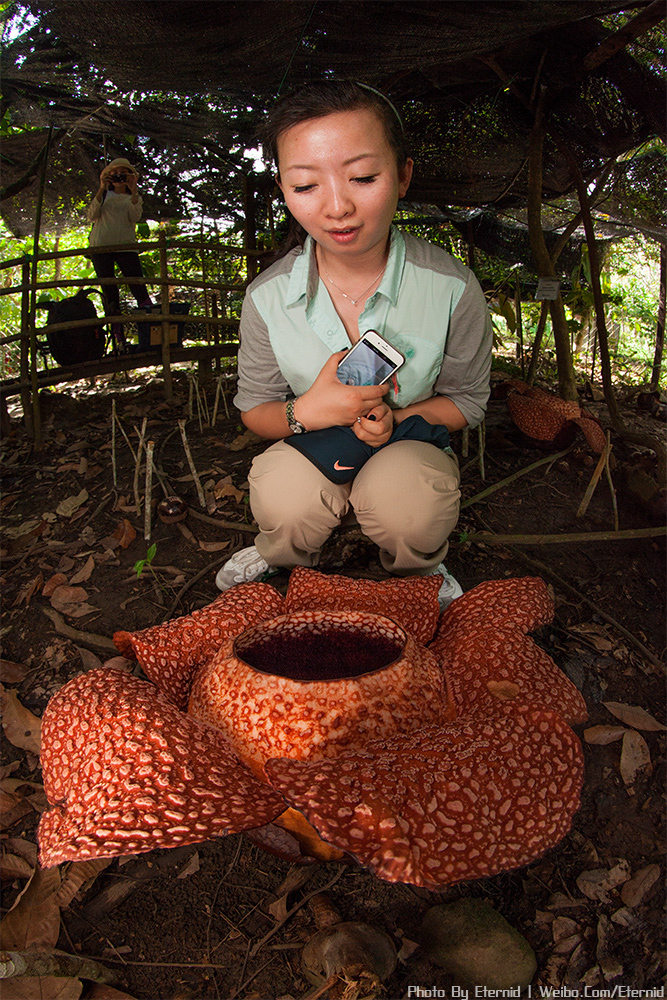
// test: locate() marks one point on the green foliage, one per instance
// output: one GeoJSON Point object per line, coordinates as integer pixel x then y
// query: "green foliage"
{"type": "Point", "coordinates": [142, 563]}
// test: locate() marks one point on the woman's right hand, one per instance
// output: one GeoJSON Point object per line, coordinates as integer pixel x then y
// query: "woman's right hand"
{"type": "Point", "coordinates": [329, 403]}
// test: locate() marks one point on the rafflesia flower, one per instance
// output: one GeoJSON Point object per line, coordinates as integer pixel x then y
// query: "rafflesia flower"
{"type": "Point", "coordinates": [543, 416]}
{"type": "Point", "coordinates": [345, 720]}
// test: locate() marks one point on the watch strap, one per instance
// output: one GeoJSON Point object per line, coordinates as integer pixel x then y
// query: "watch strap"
{"type": "Point", "coordinates": [294, 425]}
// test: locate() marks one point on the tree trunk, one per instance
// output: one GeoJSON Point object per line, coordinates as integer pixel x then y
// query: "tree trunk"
{"type": "Point", "coordinates": [660, 327]}
{"type": "Point", "coordinates": [537, 344]}
{"type": "Point", "coordinates": [567, 382]}
{"type": "Point", "coordinates": [600, 318]}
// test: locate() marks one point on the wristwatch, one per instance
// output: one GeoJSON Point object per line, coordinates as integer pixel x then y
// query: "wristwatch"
{"type": "Point", "coordinates": [294, 425]}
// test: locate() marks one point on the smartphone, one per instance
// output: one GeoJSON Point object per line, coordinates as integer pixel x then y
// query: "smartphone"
{"type": "Point", "coordinates": [372, 361]}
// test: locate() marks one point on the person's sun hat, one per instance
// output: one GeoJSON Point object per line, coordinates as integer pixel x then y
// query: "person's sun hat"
{"type": "Point", "coordinates": [121, 162]}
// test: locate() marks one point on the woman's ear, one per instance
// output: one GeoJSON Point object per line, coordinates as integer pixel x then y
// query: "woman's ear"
{"type": "Point", "coordinates": [404, 177]}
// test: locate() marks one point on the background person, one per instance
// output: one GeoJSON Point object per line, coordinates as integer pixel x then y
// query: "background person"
{"type": "Point", "coordinates": [114, 212]}
{"type": "Point", "coordinates": [342, 167]}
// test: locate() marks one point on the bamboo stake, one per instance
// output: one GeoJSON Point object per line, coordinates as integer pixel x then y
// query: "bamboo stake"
{"type": "Point", "coordinates": [149, 490]}
{"type": "Point", "coordinates": [193, 470]}
{"type": "Point", "coordinates": [158, 476]}
{"type": "Point", "coordinates": [137, 466]}
{"type": "Point", "coordinates": [481, 441]}
{"type": "Point", "coordinates": [595, 478]}
{"type": "Point", "coordinates": [465, 442]}
{"type": "Point", "coordinates": [216, 400]}
{"type": "Point", "coordinates": [190, 395]}
{"type": "Point", "coordinates": [113, 442]}
{"type": "Point", "coordinates": [204, 400]}
{"type": "Point", "coordinates": [124, 433]}
{"type": "Point", "coordinates": [195, 382]}
{"type": "Point", "coordinates": [611, 484]}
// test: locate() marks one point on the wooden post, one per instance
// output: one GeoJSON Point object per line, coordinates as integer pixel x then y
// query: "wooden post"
{"type": "Point", "coordinates": [164, 309]}
{"type": "Point", "coordinates": [567, 382]}
{"type": "Point", "coordinates": [660, 326]}
{"type": "Point", "coordinates": [36, 414]}
{"type": "Point", "coordinates": [600, 319]}
{"type": "Point", "coordinates": [519, 327]}
{"type": "Point", "coordinates": [26, 399]}
{"type": "Point", "coordinates": [250, 226]}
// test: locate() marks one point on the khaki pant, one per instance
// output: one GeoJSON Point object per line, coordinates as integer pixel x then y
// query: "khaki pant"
{"type": "Point", "coordinates": [405, 498]}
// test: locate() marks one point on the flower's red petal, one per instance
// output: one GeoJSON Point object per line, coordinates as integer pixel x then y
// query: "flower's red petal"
{"type": "Point", "coordinates": [520, 603]}
{"type": "Point", "coordinates": [169, 654]}
{"type": "Point", "coordinates": [487, 657]}
{"type": "Point", "coordinates": [592, 431]}
{"type": "Point", "coordinates": [126, 772]}
{"type": "Point", "coordinates": [411, 602]}
{"type": "Point", "coordinates": [462, 801]}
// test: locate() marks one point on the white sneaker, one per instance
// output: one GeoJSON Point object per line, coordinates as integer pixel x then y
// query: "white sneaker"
{"type": "Point", "coordinates": [243, 567]}
{"type": "Point", "coordinates": [450, 589]}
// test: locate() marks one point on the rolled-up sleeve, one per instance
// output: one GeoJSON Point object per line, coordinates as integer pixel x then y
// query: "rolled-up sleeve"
{"type": "Point", "coordinates": [466, 367]}
{"type": "Point", "coordinates": [259, 377]}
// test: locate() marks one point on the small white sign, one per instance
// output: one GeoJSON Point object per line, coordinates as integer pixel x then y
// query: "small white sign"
{"type": "Point", "coordinates": [547, 288]}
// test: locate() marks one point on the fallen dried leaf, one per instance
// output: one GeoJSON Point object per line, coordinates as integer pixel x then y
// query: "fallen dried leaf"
{"type": "Point", "coordinates": [24, 529]}
{"type": "Point", "coordinates": [71, 601]}
{"type": "Point", "coordinates": [119, 663]}
{"type": "Point", "coordinates": [635, 716]}
{"type": "Point", "coordinates": [85, 572]}
{"type": "Point", "coordinates": [13, 807]}
{"type": "Point", "coordinates": [191, 866]}
{"type": "Point", "coordinates": [243, 440]}
{"type": "Point", "coordinates": [21, 727]}
{"type": "Point", "coordinates": [28, 590]}
{"type": "Point", "coordinates": [12, 673]}
{"type": "Point", "coordinates": [598, 883]}
{"type": "Point", "coordinates": [125, 533]}
{"type": "Point", "coordinates": [602, 735]}
{"type": "Point", "coordinates": [24, 848]}
{"type": "Point", "coordinates": [213, 546]}
{"type": "Point", "coordinates": [595, 635]}
{"type": "Point", "coordinates": [607, 960]}
{"type": "Point", "coordinates": [633, 892]}
{"type": "Point", "coordinates": [55, 581]}
{"type": "Point", "coordinates": [68, 507]}
{"type": "Point", "coordinates": [41, 988]}
{"type": "Point", "coordinates": [635, 757]}
{"type": "Point", "coordinates": [34, 919]}
{"type": "Point", "coordinates": [12, 866]}
{"type": "Point", "coordinates": [88, 659]}
{"type": "Point", "coordinates": [79, 874]}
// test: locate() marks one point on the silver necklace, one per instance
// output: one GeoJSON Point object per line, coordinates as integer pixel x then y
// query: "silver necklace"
{"type": "Point", "coordinates": [361, 295]}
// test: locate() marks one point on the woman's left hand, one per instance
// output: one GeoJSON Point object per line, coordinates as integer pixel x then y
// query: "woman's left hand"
{"type": "Point", "coordinates": [376, 427]}
{"type": "Point", "coordinates": [131, 181]}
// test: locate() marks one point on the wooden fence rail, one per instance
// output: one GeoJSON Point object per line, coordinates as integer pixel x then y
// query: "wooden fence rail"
{"type": "Point", "coordinates": [31, 378]}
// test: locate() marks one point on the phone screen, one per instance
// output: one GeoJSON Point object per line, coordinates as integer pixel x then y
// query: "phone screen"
{"type": "Point", "coordinates": [365, 365]}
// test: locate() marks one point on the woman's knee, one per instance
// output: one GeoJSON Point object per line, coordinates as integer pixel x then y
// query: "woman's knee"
{"type": "Point", "coordinates": [413, 493]}
{"type": "Point", "coordinates": [285, 487]}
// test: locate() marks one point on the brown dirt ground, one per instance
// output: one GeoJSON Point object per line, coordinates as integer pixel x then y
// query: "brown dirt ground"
{"type": "Point", "coordinates": [168, 934]}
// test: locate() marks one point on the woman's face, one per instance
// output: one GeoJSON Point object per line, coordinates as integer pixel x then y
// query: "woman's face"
{"type": "Point", "coordinates": [341, 181]}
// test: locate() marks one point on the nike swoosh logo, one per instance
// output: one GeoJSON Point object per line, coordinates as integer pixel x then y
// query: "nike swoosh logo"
{"type": "Point", "coordinates": [342, 468]}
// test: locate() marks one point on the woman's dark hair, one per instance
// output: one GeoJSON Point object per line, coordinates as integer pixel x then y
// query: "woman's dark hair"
{"type": "Point", "coordinates": [317, 100]}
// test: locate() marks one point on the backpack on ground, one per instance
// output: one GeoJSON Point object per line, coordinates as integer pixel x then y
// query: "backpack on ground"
{"type": "Point", "coordinates": [71, 347]}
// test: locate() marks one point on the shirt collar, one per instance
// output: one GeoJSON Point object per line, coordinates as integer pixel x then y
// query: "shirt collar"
{"type": "Point", "coordinates": [304, 277]}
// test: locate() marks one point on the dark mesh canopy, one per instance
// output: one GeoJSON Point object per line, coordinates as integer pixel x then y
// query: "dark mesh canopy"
{"type": "Point", "coordinates": [179, 88]}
